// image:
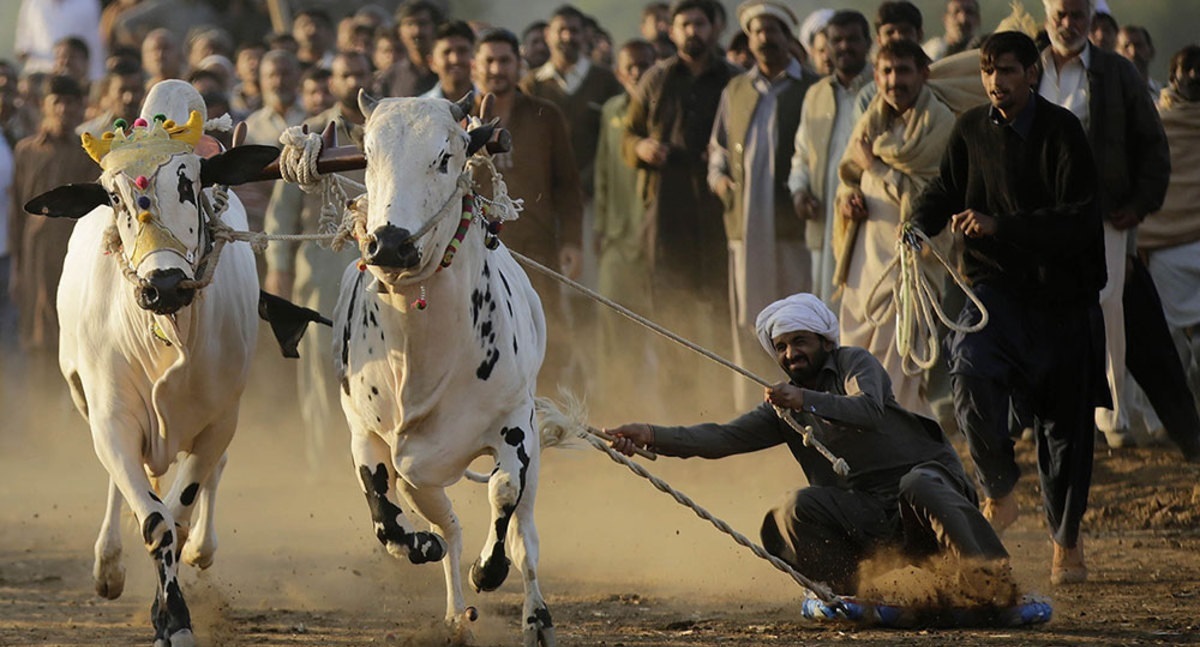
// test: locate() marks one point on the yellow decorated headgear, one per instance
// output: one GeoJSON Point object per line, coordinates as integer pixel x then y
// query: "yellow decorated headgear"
{"type": "Point", "coordinates": [146, 147]}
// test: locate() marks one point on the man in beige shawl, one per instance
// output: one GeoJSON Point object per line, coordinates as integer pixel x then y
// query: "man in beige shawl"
{"type": "Point", "coordinates": [1169, 240]}
{"type": "Point", "coordinates": [894, 151]}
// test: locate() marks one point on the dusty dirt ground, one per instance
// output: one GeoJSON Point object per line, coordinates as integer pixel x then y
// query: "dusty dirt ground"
{"type": "Point", "coordinates": [621, 563]}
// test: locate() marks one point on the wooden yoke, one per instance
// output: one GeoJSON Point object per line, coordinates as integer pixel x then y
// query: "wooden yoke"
{"type": "Point", "coordinates": [336, 159]}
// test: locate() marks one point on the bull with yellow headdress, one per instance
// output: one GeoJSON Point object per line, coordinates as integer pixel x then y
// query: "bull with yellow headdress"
{"type": "Point", "coordinates": [156, 359]}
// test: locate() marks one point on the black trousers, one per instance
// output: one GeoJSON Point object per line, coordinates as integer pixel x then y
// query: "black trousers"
{"type": "Point", "coordinates": [1052, 357]}
{"type": "Point", "coordinates": [825, 531]}
{"type": "Point", "coordinates": [1152, 359]}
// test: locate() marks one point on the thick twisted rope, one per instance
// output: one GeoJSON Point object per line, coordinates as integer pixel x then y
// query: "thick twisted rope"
{"type": "Point", "coordinates": [820, 590]}
{"type": "Point", "coordinates": [298, 165]}
{"type": "Point", "coordinates": [917, 304]}
{"type": "Point", "coordinates": [840, 466]}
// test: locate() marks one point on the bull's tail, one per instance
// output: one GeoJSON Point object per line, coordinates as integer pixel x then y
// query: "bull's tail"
{"type": "Point", "coordinates": [558, 427]}
{"type": "Point", "coordinates": [561, 427]}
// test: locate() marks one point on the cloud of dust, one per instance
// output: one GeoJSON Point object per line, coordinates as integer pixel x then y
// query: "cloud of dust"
{"type": "Point", "coordinates": [937, 584]}
{"type": "Point", "coordinates": [295, 538]}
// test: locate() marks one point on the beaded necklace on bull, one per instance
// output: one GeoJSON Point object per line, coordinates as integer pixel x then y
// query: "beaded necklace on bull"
{"type": "Point", "coordinates": [491, 214]}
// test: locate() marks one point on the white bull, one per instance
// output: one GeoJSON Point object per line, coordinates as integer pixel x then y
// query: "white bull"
{"type": "Point", "coordinates": [156, 368]}
{"type": "Point", "coordinates": [438, 363]}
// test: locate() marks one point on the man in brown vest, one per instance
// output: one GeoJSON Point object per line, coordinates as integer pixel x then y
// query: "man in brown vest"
{"type": "Point", "coordinates": [749, 159]}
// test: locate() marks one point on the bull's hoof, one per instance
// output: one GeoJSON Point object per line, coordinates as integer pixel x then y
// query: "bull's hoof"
{"type": "Point", "coordinates": [490, 575]}
{"type": "Point", "coordinates": [181, 638]}
{"type": "Point", "coordinates": [426, 547]}
{"type": "Point", "coordinates": [109, 578]}
{"type": "Point", "coordinates": [539, 629]}
{"type": "Point", "coordinates": [199, 556]}
{"type": "Point", "coordinates": [535, 636]}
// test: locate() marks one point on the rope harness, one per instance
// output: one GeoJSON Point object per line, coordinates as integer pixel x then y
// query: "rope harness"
{"type": "Point", "coordinates": [217, 232]}
{"type": "Point", "coordinates": [916, 303]}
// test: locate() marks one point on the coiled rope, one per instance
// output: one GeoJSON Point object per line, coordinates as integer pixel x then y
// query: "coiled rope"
{"type": "Point", "coordinates": [916, 302]}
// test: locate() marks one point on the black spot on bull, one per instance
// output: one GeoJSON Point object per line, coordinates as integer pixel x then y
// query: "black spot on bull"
{"type": "Point", "coordinates": [422, 546]}
{"type": "Point", "coordinates": [486, 329]}
{"type": "Point", "coordinates": [489, 575]}
{"type": "Point", "coordinates": [541, 618]}
{"type": "Point", "coordinates": [476, 306]}
{"type": "Point", "coordinates": [187, 190]}
{"type": "Point", "coordinates": [383, 511]}
{"type": "Point", "coordinates": [489, 362]}
{"type": "Point", "coordinates": [148, 527]}
{"type": "Point", "coordinates": [516, 438]}
{"type": "Point", "coordinates": [189, 494]}
{"type": "Point", "coordinates": [346, 332]}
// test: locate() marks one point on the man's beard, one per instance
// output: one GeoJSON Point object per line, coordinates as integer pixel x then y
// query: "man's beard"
{"type": "Point", "coordinates": [694, 47]}
{"type": "Point", "coordinates": [569, 51]}
{"type": "Point", "coordinates": [1061, 44]}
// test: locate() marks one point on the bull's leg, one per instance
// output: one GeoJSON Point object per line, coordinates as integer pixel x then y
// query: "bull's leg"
{"type": "Point", "coordinates": [378, 479]}
{"type": "Point", "coordinates": [108, 572]}
{"type": "Point", "coordinates": [537, 628]}
{"type": "Point", "coordinates": [197, 496]}
{"type": "Point", "coordinates": [121, 456]}
{"type": "Point", "coordinates": [433, 504]}
{"type": "Point", "coordinates": [508, 489]}
{"type": "Point", "coordinates": [195, 489]}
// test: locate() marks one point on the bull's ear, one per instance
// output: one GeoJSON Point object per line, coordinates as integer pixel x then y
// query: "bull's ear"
{"type": "Point", "coordinates": [69, 201]}
{"type": "Point", "coordinates": [236, 165]}
{"type": "Point", "coordinates": [480, 135]}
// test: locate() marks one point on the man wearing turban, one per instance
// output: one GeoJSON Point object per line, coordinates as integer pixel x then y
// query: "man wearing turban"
{"type": "Point", "coordinates": [906, 488]}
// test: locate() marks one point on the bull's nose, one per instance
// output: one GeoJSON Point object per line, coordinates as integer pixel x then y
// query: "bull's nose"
{"type": "Point", "coordinates": [390, 247]}
{"type": "Point", "coordinates": [160, 292]}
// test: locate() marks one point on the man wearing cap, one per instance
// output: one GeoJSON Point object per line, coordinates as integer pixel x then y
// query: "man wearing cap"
{"type": "Point", "coordinates": [906, 488]}
{"type": "Point", "coordinates": [749, 157]}
{"type": "Point", "coordinates": [825, 124]}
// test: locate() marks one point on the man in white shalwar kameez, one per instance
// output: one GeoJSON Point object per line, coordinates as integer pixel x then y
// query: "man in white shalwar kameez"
{"type": "Point", "coordinates": [894, 151]}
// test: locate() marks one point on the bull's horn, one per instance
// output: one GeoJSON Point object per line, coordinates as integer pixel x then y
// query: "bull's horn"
{"type": "Point", "coordinates": [96, 148]}
{"type": "Point", "coordinates": [461, 108]}
{"type": "Point", "coordinates": [366, 103]}
{"type": "Point", "coordinates": [191, 131]}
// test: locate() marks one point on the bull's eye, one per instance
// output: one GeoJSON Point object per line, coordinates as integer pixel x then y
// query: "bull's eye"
{"type": "Point", "coordinates": [444, 162]}
{"type": "Point", "coordinates": [114, 198]}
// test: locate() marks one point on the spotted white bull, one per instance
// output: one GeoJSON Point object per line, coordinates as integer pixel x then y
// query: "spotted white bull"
{"type": "Point", "coordinates": [156, 367]}
{"type": "Point", "coordinates": [438, 357]}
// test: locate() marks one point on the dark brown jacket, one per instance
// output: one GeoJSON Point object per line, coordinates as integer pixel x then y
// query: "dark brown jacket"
{"type": "Point", "coordinates": [582, 111]}
{"type": "Point", "coordinates": [540, 170]}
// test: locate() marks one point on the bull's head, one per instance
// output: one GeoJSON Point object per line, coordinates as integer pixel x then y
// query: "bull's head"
{"type": "Point", "coordinates": [152, 180]}
{"type": "Point", "coordinates": [416, 151]}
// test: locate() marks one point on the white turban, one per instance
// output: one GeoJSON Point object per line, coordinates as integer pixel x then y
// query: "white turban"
{"type": "Point", "coordinates": [798, 312]}
{"type": "Point", "coordinates": [813, 23]}
{"type": "Point", "coordinates": [752, 9]}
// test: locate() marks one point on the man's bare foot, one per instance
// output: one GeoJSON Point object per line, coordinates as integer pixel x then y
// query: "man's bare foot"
{"type": "Point", "coordinates": [1001, 512]}
{"type": "Point", "coordinates": [1068, 566]}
